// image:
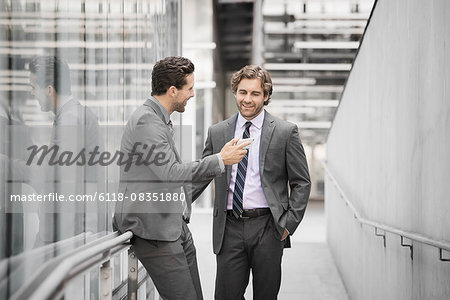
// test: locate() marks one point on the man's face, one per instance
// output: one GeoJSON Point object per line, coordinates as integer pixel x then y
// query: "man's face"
{"type": "Point", "coordinates": [250, 98]}
{"type": "Point", "coordinates": [184, 94]}
{"type": "Point", "coordinates": [40, 94]}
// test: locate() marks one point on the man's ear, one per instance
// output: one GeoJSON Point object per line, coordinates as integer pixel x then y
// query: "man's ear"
{"type": "Point", "coordinates": [172, 91]}
{"type": "Point", "coordinates": [50, 91]}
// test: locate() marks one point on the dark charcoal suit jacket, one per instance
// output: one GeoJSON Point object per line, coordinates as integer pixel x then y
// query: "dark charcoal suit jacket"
{"type": "Point", "coordinates": [283, 170]}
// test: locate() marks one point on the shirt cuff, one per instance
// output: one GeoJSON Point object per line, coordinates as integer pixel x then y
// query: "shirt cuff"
{"type": "Point", "coordinates": [221, 164]}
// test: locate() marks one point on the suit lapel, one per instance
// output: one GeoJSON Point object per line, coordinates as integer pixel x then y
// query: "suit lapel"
{"type": "Point", "coordinates": [229, 134]}
{"type": "Point", "coordinates": [159, 113]}
{"type": "Point", "coordinates": [266, 136]}
{"type": "Point", "coordinates": [174, 148]}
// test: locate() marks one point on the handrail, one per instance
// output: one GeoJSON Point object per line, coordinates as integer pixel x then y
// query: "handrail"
{"type": "Point", "coordinates": [104, 262]}
{"type": "Point", "coordinates": [58, 275]}
{"type": "Point", "coordinates": [16, 260]}
{"type": "Point", "coordinates": [33, 281]}
{"type": "Point", "coordinates": [36, 259]}
{"type": "Point", "coordinates": [441, 245]}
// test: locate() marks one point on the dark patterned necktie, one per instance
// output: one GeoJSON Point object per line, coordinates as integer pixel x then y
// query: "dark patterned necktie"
{"type": "Point", "coordinates": [238, 206]}
{"type": "Point", "coordinates": [171, 130]}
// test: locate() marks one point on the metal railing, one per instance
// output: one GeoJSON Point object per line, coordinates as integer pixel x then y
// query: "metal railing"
{"type": "Point", "coordinates": [13, 267]}
{"type": "Point", "coordinates": [49, 282]}
{"type": "Point", "coordinates": [381, 229]}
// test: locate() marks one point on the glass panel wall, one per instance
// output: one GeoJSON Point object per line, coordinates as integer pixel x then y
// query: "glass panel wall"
{"type": "Point", "coordinates": [103, 51]}
{"type": "Point", "coordinates": [198, 45]}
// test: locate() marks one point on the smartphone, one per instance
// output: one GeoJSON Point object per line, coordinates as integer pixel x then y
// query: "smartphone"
{"type": "Point", "coordinates": [246, 140]}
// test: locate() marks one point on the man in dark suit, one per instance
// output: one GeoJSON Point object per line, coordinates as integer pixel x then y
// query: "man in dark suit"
{"type": "Point", "coordinates": [259, 202]}
{"type": "Point", "coordinates": [162, 241]}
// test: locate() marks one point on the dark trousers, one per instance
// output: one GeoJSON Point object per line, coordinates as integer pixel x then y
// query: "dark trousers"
{"type": "Point", "coordinates": [171, 265]}
{"type": "Point", "coordinates": [249, 244]}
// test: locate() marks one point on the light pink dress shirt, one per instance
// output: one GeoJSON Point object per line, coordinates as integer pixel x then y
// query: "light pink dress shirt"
{"type": "Point", "coordinates": [253, 193]}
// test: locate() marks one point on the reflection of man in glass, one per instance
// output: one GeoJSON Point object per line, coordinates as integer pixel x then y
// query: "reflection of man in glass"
{"type": "Point", "coordinates": [75, 127]}
{"type": "Point", "coordinates": [50, 82]}
{"type": "Point", "coordinates": [11, 176]}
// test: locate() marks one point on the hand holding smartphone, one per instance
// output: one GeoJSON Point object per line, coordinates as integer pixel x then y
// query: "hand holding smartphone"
{"type": "Point", "coordinates": [246, 140]}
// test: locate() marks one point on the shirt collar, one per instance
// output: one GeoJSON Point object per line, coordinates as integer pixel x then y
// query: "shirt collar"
{"type": "Point", "coordinates": [162, 108]}
{"type": "Point", "coordinates": [257, 121]}
{"type": "Point", "coordinates": [63, 102]}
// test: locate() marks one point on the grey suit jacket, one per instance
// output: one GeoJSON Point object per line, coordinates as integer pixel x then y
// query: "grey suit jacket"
{"type": "Point", "coordinates": [283, 170]}
{"type": "Point", "coordinates": [160, 219]}
{"type": "Point", "coordinates": [75, 128]}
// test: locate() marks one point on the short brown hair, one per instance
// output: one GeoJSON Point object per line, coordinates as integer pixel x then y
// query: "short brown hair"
{"type": "Point", "coordinates": [170, 71]}
{"type": "Point", "coordinates": [253, 72]}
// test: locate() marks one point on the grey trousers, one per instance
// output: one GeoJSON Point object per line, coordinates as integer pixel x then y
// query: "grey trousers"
{"type": "Point", "coordinates": [249, 244]}
{"type": "Point", "coordinates": [171, 265]}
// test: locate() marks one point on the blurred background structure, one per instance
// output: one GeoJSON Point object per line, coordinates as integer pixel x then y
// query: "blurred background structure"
{"type": "Point", "coordinates": [308, 48]}
{"type": "Point", "coordinates": [367, 82]}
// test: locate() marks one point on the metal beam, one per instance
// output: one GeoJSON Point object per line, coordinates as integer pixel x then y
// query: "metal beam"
{"type": "Point", "coordinates": [326, 45]}
{"type": "Point", "coordinates": [257, 41]}
{"type": "Point", "coordinates": [75, 44]}
{"type": "Point", "coordinates": [293, 80]}
{"type": "Point", "coordinates": [308, 67]}
{"type": "Point", "coordinates": [290, 110]}
{"type": "Point", "coordinates": [303, 31]}
{"type": "Point", "coordinates": [325, 17]}
{"type": "Point", "coordinates": [318, 23]}
{"type": "Point", "coordinates": [296, 103]}
{"type": "Point", "coordinates": [234, 1]}
{"type": "Point", "coordinates": [314, 124]}
{"type": "Point", "coordinates": [309, 88]}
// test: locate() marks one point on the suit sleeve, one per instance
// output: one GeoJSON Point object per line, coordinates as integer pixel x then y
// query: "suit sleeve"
{"type": "Point", "coordinates": [299, 181]}
{"type": "Point", "coordinates": [163, 161]}
{"type": "Point", "coordinates": [199, 187]}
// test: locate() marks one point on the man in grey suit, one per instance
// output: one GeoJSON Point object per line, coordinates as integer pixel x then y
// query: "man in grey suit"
{"type": "Point", "coordinates": [260, 202]}
{"type": "Point", "coordinates": [155, 207]}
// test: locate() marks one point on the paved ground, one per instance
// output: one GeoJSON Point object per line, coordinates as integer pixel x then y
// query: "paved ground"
{"type": "Point", "coordinates": [308, 269]}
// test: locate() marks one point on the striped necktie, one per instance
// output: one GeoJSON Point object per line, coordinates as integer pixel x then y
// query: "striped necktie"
{"type": "Point", "coordinates": [238, 206]}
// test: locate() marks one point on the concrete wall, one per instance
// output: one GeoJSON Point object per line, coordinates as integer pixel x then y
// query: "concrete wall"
{"type": "Point", "coordinates": [389, 149]}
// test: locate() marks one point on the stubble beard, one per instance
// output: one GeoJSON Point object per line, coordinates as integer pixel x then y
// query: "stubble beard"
{"type": "Point", "coordinates": [180, 107]}
{"type": "Point", "coordinates": [250, 115]}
